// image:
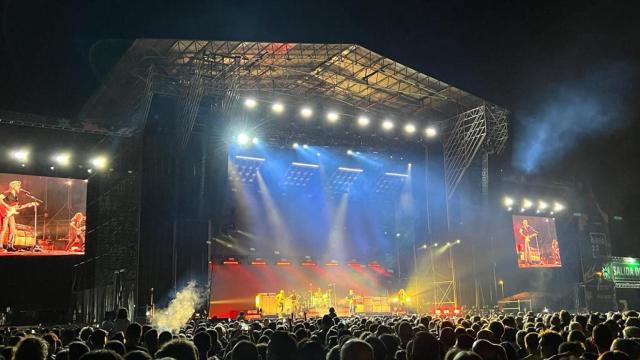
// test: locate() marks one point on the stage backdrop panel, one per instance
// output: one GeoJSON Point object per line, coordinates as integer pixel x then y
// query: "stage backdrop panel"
{"type": "Point", "coordinates": [50, 215]}
{"type": "Point", "coordinates": [536, 242]}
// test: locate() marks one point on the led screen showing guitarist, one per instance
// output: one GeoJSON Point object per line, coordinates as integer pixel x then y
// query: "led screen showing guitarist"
{"type": "Point", "coordinates": [42, 215]}
{"type": "Point", "coordinates": [9, 208]}
{"type": "Point", "coordinates": [536, 241]}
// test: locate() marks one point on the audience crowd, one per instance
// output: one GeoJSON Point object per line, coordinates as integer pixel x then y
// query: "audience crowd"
{"type": "Point", "coordinates": [526, 336]}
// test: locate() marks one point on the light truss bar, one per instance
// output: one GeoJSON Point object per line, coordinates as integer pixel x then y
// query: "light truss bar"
{"type": "Point", "coordinates": [250, 158]}
{"type": "Point", "coordinates": [299, 164]}
{"type": "Point", "coordinates": [353, 170]}
{"type": "Point", "coordinates": [396, 174]}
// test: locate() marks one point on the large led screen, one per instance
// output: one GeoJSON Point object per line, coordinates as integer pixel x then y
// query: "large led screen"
{"type": "Point", "coordinates": [536, 242]}
{"type": "Point", "coordinates": [42, 215]}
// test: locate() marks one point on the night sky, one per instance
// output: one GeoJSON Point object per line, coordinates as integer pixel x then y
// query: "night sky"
{"type": "Point", "coordinates": [514, 53]}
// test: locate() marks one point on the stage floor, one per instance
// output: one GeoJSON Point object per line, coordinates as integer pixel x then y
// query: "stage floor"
{"type": "Point", "coordinates": [41, 253]}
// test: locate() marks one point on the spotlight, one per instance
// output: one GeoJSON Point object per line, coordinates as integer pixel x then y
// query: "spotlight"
{"type": "Point", "coordinates": [21, 155]}
{"type": "Point", "coordinates": [255, 141]}
{"type": "Point", "coordinates": [363, 121]}
{"type": "Point", "coordinates": [435, 245]}
{"type": "Point", "coordinates": [458, 241]}
{"type": "Point", "coordinates": [250, 103]}
{"type": "Point", "coordinates": [243, 139]}
{"type": "Point", "coordinates": [557, 207]}
{"type": "Point", "coordinates": [349, 152]}
{"type": "Point", "coordinates": [99, 162]}
{"type": "Point", "coordinates": [62, 159]}
{"type": "Point", "coordinates": [305, 146]}
{"type": "Point", "coordinates": [277, 108]}
{"type": "Point", "coordinates": [507, 201]}
{"type": "Point", "coordinates": [387, 125]}
{"type": "Point", "coordinates": [332, 116]}
{"type": "Point", "coordinates": [295, 145]}
{"type": "Point", "coordinates": [410, 128]}
{"type": "Point", "coordinates": [526, 203]}
{"type": "Point", "coordinates": [306, 112]}
{"type": "Point", "coordinates": [542, 205]}
{"type": "Point", "coordinates": [430, 132]}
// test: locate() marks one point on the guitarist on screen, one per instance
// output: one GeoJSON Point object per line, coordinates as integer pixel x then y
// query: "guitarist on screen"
{"type": "Point", "coordinates": [8, 209]}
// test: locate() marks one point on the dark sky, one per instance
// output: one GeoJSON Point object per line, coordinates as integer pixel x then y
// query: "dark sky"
{"type": "Point", "coordinates": [54, 54]}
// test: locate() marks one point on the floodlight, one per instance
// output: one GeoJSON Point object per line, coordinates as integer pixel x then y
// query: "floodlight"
{"type": "Point", "coordinates": [255, 141]}
{"type": "Point", "coordinates": [430, 132]}
{"type": "Point", "coordinates": [363, 121]}
{"type": "Point", "coordinates": [557, 207]}
{"type": "Point", "coordinates": [542, 205]}
{"type": "Point", "coordinates": [306, 112]}
{"type": "Point", "coordinates": [99, 162]}
{"type": "Point", "coordinates": [410, 128]}
{"type": "Point", "coordinates": [250, 103]}
{"type": "Point", "coordinates": [526, 203]}
{"type": "Point", "coordinates": [243, 139]}
{"type": "Point", "coordinates": [21, 155]}
{"type": "Point", "coordinates": [387, 125]}
{"type": "Point", "coordinates": [295, 145]}
{"type": "Point", "coordinates": [277, 108]}
{"type": "Point", "coordinates": [62, 159]}
{"type": "Point", "coordinates": [332, 116]}
{"type": "Point", "coordinates": [507, 201]}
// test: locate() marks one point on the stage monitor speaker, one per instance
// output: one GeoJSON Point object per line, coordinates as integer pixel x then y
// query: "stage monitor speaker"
{"type": "Point", "coordinates": [24, 241]}
{"type": "Point", "coordinates": [267, 302]}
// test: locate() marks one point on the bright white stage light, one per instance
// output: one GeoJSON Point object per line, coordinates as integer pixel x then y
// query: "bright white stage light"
{"type": "Point", "coordinates": [277, 108]}
{"type": "Point", "coordinates": [542, 205]}
{"type": "Point", "coordinates": [255, 141]}
{"type": "Point", "coordinates": [431, 132]}
{"type": "Point", "coordinates": [295, 145]}
{"type": "Point", "coordinates": [332, 116]}
{"type": "Point", "coordinates": [21, 155]}
{"type": "Point", "coordinates": [526, 203]}
{"type": "Point", "coordinates": [387, 125]}
{"type": "Point", "coordinates": [250, 103]}
{"type": "Point", "coordinates": [410, 128]}
{"type": "Point", "coordinates": [349, 152]}
{"type": "Point", "coordinates": [243, 139]}
{"type": "Point", "coordinates": [363, 121]}
{"type": "Point", "coordinates": [306, 112]}
{"type": "Point", "coordinates": [99, 162]}
{"type": "Point", "coordinates": [305, 146]}
{"type": "Point", "coordinates": [557, 207]}
{"type": "Point", "coordinates": [507, 201]}
{"type": "Point", "coordinates": [62, 159]}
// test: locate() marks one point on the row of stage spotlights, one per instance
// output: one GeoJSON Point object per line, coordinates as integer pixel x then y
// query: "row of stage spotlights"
{"type": "Point", "coordinates": [540, 206]}
{"type": "Point", "coordinates": [62, 159]}
{"type": "Point", "coordinates": [333, 117]}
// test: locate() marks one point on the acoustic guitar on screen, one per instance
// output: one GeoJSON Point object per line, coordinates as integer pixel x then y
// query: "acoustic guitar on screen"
{"type": "Point", "coordinates": [15, 209]}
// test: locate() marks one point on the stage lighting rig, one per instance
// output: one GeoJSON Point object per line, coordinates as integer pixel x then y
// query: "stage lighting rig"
{"type": "Point", "coordinates": [332, 116]}
{"type": "Point", "coordinates": [410, 128]}
{"type": "Point", "coordinates": [20, 155]}
{"type": "Point", "coordinates": [277, 108]}
{"type": "Point", "coordinates": [250, 103]}
{"type": "Point", "coordinates": [62, 159]}
{"type": "Point", "coordinates": [363, 121]}
{"type": "Point", "coordinates": [99, 162]}
{"type": "Point", "coordinates": [306, 112]}
{"type": "Point", "coordinates": [430, 132]}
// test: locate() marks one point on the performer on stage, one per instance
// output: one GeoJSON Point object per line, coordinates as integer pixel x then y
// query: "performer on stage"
{"type": "Point", "coordinates": [76, 232]}
{"type": "Point", "coordinates": [351, 299]}
{"type": "Point", "coordinates": [555, 251]}
{"type": "Point", "coordinates": [8, 209]}
{"type": "Point", "coordinates": [280, 300]}
{"type": "Point", "coordinates": [528, 233]}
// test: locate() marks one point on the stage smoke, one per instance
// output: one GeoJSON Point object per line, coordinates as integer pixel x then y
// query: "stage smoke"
{"type": "Point", "coordinates": [569, 113]}
{"type": "Point", "coordinates": [180, 309]}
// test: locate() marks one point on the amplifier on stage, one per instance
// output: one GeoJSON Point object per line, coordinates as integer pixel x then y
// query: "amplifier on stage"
{"type": "Point", "coordinates": [267, 302]}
